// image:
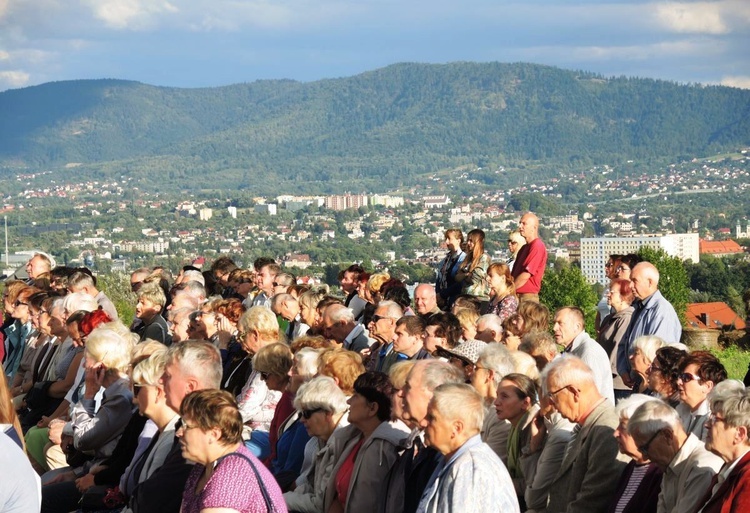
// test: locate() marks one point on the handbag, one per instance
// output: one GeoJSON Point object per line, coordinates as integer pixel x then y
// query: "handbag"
{"type": "Point", "coordinates": [98, 498]}
{"type": "Point", "coordinates": [270, 508]}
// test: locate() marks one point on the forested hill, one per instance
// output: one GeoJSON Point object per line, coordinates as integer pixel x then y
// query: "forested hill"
{"type": "Point", "coordinates": [388, 124]}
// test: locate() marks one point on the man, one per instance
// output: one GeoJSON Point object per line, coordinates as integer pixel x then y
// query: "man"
{"type": "Point", "coordinates": [541, 346]}
{"type": "Point", "coordinates": [489, 328]}
{"type": "Point", "coordinates": [688, 467]}
{"type": "Point", "coordinates": [37, 265]}
{"type": "Point", "coordinates": [652, 315]}
{"type": "Point", "coordinates": [82, 282]}
{"type": "Point", "coordinates": [339, 325]}
{"type": "Point", "coordinates": [470, 476]}
{"type": "Point", "coordinates": [287, 307]}
{"type": "Point", "coordinates": [221, 268]}
{"type": "Point", "coordinates": [592, 465]}
{"type": "Point", "coordinates": [569, 333]}
{"type": "Point", "coordinates": [409, 338]}
{"type": "Point", "coordinates": [190, 294]}
{"type": "Point", "coordinates": [382, 328]}
{"type": "Point", "coordinates": [443, 330]}
{"type": "Point", "coordinates": [282, 282]}
{"type": "Point", "coordinates": [266, 276]}
{"type": "Point", "coordinates": [528, 269]}
{"type": "Point", "coordinates": [700, 372]}
{"type": "Point", "coordinates": [425, 300]}
{"type": "Point", "coordinates": [349, 280]}
{"type": "Point", "coordinates": [409, 476]}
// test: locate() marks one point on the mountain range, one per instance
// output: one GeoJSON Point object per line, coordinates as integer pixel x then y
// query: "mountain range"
{"type": "Point", "coordinates": [376, 130]}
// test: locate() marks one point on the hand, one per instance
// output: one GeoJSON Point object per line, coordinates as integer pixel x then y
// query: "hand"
{"type": "Point", "coordinates": [55, 431]}
{"type": "Point", "coordinates": [94, 379]}
{"type": "Point", "coordinates": [63, 477]}
{"type": "Point", "coordinates": [538, 431]}
{"type": "Point", "coordinates": [44, 422]}
{"type": "Point", "coordinates": [627, 380]}
{"type": "Point", "coordinates": [85, 482]}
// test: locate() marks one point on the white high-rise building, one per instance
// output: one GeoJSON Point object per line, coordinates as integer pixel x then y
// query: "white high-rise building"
{"type": "Point", "coordinates": [595, 251]}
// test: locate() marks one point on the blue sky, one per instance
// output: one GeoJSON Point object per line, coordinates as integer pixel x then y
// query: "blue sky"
{"type": "Point", "coordinates": [200, 43]}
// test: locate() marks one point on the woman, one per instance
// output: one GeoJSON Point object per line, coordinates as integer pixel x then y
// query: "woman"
{"type": "Point", "coordinates": [322, 406]}
{"type": "Point", "coordinates": [18, 333]}
{"type": "Point", "coordinates": [308, 303]}
{"type": "Point", "coordinates": [446, 286]}
{"type": "Point", "coordinates": [512, 334]}
{"type": "Point", "coordinates": [345, 367]}
{"type": "Point", "coordinates": [516, 402]}
{"type": "Point", "coordinates": [644, 352]}
{"type": "Point", "coordinates": [226, 477]}
{"type": "Point", "coordinates": [35, 351]}
{"type": "Point", "coordinates": [8, 418]}
{"type": "Point", "coordinates": [503, 299]}
{"type": "Point", "coordinates": [467, 318]}
{"type": "Point", "coordinates": [626, 265]}
{"type": "Point", "coordinates": [613, 327]}
{"type": "Point", "coordinates": [371, 447]}
{"type": "Point", "coordinates": [663, 373]}
{"type": "Point", "coordinates": [515, 243]}
{"type": "Point", "coordinates": [603, 309]}
{"type": "Point", "coordinates": [472, 273]}
{"type": "Point", "coordinates": [242, 282]}
{"type": "Point", "coordinates": [287, 436]}
{"type": "Point", "coordinates": [640, 483]}
{"type": "Point", "coordinates": [97, 431]}
{"type": "Point", "coordinates": [532, 317]}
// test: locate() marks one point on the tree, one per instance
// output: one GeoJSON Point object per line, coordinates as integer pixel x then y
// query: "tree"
{"type": "Point", "coordinates": [568, 287]}
{"type": "Point", "coordinates": [673, 280]}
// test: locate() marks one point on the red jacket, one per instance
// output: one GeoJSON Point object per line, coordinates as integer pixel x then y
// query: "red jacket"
{"type": "Point", "coordinates": [733, 496]}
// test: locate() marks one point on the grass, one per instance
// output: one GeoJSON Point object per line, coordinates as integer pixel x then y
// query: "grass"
{"type": "Point", "coordinates": [735, 360]}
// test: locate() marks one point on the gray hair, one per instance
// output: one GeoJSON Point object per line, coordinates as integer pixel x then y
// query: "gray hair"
{"type": "Point", "coordinates": [626, 407]}
{"type": "Point", "coordinates": [338, 313]}
{"type": "Point", "coordinates": [394, 310]}
{"type": "Point", "coordinates": [192, 275]}
{"type": "Point", "coordinates": [568, 370]}
{"type": "Point", "coordinates": [321, 392]}
{"type": "Point", "coordinates": [525, 364]}
{"type": "Point", "coordinates": [149, 370]}
{"type": "Point", "coordinates": [198, 359]}
{"type": "Point", "coordinates": [306, 360]}
{"type": "Point", "coordinates": [653, 416]}
{"type": "Point", "coordinates": [79, 280]}
{"type": "Point", "coordinates": [649, 344]}
{"type": "Point", "coordinates": [538, 341]}
{"type": "Point", "coordinates": [79, 301]}
{"type": "Point", "coordinates": [491, 321]}
{"type": "Point", "coordinates": [438, 372]}
{"type": "Point", "coordinates": [456, 401]}
{"type": "Point", "coordinates": [175, 316]}
{"type": "Point", "coordinates": [732, 399]}
{"type": "Point", "coordinates": [285, 279]}
{"type": "Point", "coordinates": [496, 357]}
{"type": "Point", "coordinates": [277, 299]}
{"type": "Point", "coordinates": [193, 289]}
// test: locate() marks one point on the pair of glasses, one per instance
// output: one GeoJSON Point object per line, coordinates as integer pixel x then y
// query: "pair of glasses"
{"type": "Point", "coordinates": [686, 377]}
{"type": "Point", "coordinates": [643, 449]}
{"type": "Point", "coordinates": [264, 375]}
{"type": "Point", "coordinates": [376, 318]}
{"type": "Point", "coordinates": [713, 419]}
{"type": "Point", "coordinates": [19, 303]}
{"type": "Point", "coordinates": [306, 414]}
{"type": "Point", "coordinates": [137, 388]}
{"type": "Point", "coordinates": [622, 269]}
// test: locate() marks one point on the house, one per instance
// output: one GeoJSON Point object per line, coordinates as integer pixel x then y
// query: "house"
{"type": "Point", "coordinates": [716, 315]}
{"type": "Point", "coordinates": [719, 248]}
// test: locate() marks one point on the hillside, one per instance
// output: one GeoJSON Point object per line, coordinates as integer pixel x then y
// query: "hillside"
{"type": "Point", "coordinates": [381, 128]}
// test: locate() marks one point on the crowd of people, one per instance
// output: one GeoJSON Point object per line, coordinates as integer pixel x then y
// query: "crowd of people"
{"type": "Point", "coordinates": [241, 390]}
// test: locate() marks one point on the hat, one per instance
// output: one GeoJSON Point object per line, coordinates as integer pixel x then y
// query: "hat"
{"type": "Point", "coordinates": [467, 351]}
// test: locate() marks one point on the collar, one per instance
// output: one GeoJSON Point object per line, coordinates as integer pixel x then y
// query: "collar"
{"type": "Point", "coordinates": [576, 342]}
{"type": "Point", "coordinates": [356, 331]}
{"type": "Point", "coordinates": [692, 442]}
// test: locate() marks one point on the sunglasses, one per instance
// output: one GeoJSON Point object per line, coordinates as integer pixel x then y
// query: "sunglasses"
{"type": "Point", "coordinates": [686, 377]}
{"type": "Point", "coordinates": [306, 414]}
{"type": "Point", "coordinates": [19, 303]}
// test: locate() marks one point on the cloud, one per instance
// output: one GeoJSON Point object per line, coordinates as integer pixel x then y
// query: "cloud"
{"type": "Point", "coordinates": [699, 17]}
{"type": "Point", "coordinates": [13, 79]}
{"type": "Point", "coordinates": [4, 56]}
{"type": "Point", "coordinates": [736, 81]}
{"type": "Point", "coordinates": [131, 14]}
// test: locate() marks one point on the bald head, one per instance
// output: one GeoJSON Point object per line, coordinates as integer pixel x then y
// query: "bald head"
{"type": "Point", "coordinates": [645, 280]}
{"type": "Point", "coordinates": [425, 298]}
{"type": "Point", "coordinates": [529, 227]}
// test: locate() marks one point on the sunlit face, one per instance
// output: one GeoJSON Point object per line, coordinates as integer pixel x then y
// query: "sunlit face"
{"type": "Point", "coordinates": [180, 329]}
{"type": "Point", "coordinates": [360, 410]}
{"type": "Point", "coordinates": [348, 282]}
{"type": "Point", "coordinates": [511, 341]}
{"type": "Point", "coordinates": [625, 442]}
{"type": "Point", "coordinates": [194, 442]}
{"type": "Point", "coordinates": [481, 380]}
{"type": "Point", "coordinates": [307, 314]}
{"type": "Point", "coordinates": [425, 299]}
{"type": "Point", "coordinates": [497, 283]}
{"type": "Point", "coordinates": [318, 424]}
{"type": "Point", "coordinates": [468, 331]}
{"type": "Point", "coordinates": [176, 385]}
{"type": "Point", "coordinates": [453, 243]}
{"type": "Point", "coordinates": [265, 279]}
{"type": "Point", "coordinates": [35, 267]}
{"type": "Point", "coordinates": [508, 405]}
{"type": "Point", "coordinates": [721, 437]}
{"type": "Point", "coordinates": [251, 342]}
{"type": "Point", "coordinates": [145, 397]}
{"type": "Point", "coordinates": [566, 328]}
{"type": "Point", "coordinates": [438, 431]}
{"type": "Point", "coordinates": [22, 310]}
{"type": "Point", "coordinates": [563, 398]}
{"type": "Point", "coordinates": [640, 361]}
{"type": "Point", "coordinates": [405, 343]}
{"type": "Point", "coordinates": [640, 284]}
{"type": "Point", "coordinates": [145, 309]}
{"type": "Point", "coordinates": [623, 271]}
{"type": "Point", "coordinates": [56, 322]}
{"type": "Point", "coordinates": [381, 325]}
{"type": "Point", "coordinates": [431, 340]}
{"type": "Point", "coordinates": [695, 390]}
{"type": "Point", "coordinates": [414, 396]}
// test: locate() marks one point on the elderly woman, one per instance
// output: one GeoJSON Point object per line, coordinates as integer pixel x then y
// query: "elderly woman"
{"type": "Point", "coordinates": [471, 477]}
{"type": "Point", "coordinates": [644, 352]}
{"type": "Point", "coordinates": [640, 483]}
{"type": "Point", "coordinates": [700, 372]}
{"type": "Point", "coordinates": [493, 364]}
{"type": "Point", "coordinates": [97, 431]}
{"type": "Point", "coordinates": [308, 303]}
{"type": "Point", "coordinates": [515, 243]}
{"type": "Point", "coordinates": [503, 299]}
{"type": "Point", "coordinates": [226, 477]}
{"type": "Point", "coordinates": [371, 447]}
{"type": "Point", "coordinates": [613, 327]}
{"type": "Point", "coordinates": [663, 374]}
{"type": "Point", "coordinates": [287, 436]}
{"type": "Point", "coordinates": [343, 366]}
{"type": "Point", "coordinates": [322, 406]}
{"type": "Point", "coordinates": [472, 273]}
{"type": "Point", "coordinates": [728, 438]}
{"type": "Point", "coordinates": [516, 402]}
{"type": "Point", "coordinates": [446, 286]}
{"type": "Point", "coordinates": [257, 403]}
{"type": "Point", "coordinates": [17, 334]}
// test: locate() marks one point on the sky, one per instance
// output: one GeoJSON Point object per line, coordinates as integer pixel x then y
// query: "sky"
{"type": "Point", "coordinates": [206, 43]}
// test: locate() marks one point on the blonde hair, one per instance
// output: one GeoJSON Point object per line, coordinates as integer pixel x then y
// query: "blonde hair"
{"type": "Point", "coordinates": [110, 348]}
{"type": "Point", "coordinates": [376, 281]}
{"type": "Point", "coordinates": [274, 359]}
{"type": "Point", "coordinates": [152, 292]}
{"type": "Point", "coordinates": [467, 317]}
{"type": "Point", "coordinates": [149, 370]}
{"type": "Point", "coordinates": [262, 320]}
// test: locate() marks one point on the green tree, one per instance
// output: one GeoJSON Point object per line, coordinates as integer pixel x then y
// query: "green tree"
{"type": "Point", "coordinates": [568, 287]}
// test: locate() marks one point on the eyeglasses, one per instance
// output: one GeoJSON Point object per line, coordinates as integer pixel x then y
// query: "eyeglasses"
{"type": "Point", "coordinates": [512, 242]}
{"type": "Point", "coordinates": [264, 375]}
{"type": "Point", "coordinates": [687, 377]}
{"type": "Point", "coordinates": [19, 303]}
{"type": "Point", "coordinates": [713, 419]}
{"type": "Point", "coordinates": [552, 395]}
{"type": "Point", "coordinates": [185, 426]}
{"type": "Point", "coordinates": [654, 368]}
{"type": "Point", "coordinates": [643, 449]}
{"type": "Point", "coordinates": [306, 414]}
{"type": "Point", "coordinates": [608, 265]}
{"type": "Point", "coordinates": [376, 318]}
{"type": "Point", "coordinates": [622, 268]}
{"type": "Point", "coordinates": [137, 388]}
